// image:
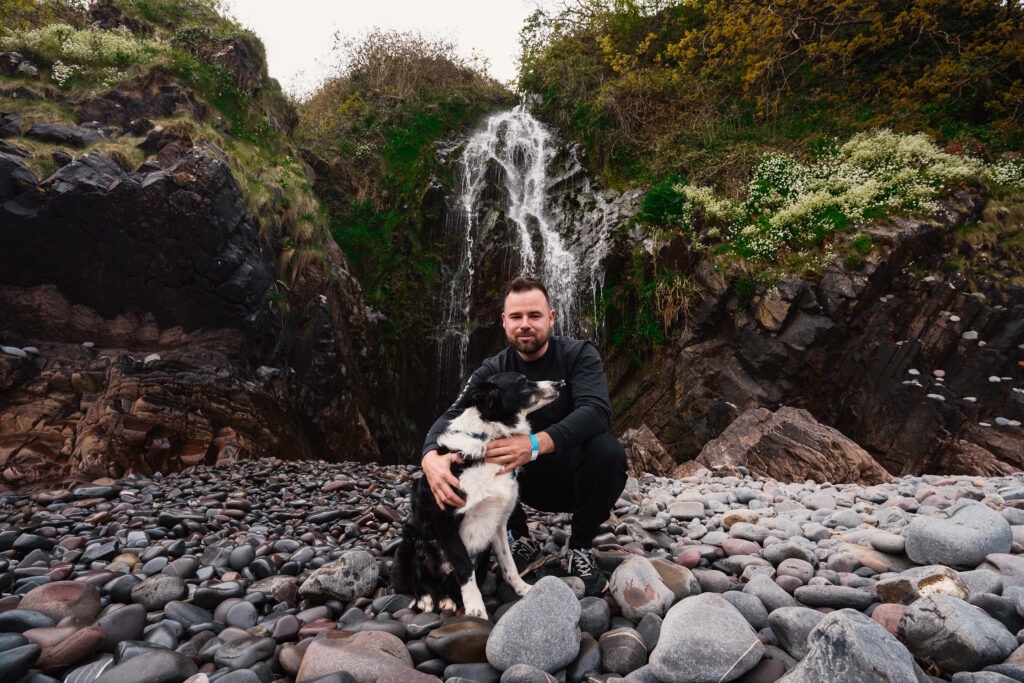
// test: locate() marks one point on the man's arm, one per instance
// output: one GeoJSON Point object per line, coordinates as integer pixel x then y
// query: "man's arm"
{"type": "Point", "coordinates": [589, 417]}
{"type": "Point", "coordinates": [591, 408]}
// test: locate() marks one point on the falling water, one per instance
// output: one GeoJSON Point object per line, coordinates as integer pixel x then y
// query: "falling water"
{"type": "Point", "coordinates": [560, 242]}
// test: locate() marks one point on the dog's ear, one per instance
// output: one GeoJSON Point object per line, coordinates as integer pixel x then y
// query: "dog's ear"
{"type": "Point", "coordinates": [488, 399]}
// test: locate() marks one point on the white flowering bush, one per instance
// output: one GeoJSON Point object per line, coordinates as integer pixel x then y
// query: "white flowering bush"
{"type": "Point", "coordinates": [62, 72]}
{"type": "Point", "coordinates": [98, 54]}
{"type": "Point", "coordinates": [1009, 173]}
{"type": "Point", "coordinates": [874, 174]}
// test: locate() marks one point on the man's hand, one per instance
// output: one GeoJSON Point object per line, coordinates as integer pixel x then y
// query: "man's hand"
{"type": "Point", "coordinates": [515, 451]}
{"type": "Point", "coordinates": [438, 470]}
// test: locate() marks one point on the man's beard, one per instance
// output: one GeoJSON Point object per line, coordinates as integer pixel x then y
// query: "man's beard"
{"type": "Point", "coordinates": [528, 346]}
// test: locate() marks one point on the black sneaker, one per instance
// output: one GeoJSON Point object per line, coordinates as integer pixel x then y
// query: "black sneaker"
{"type": "Point", "coordinates": [526, 555]}
{"type": "Point", "coordinates": [581, 565]}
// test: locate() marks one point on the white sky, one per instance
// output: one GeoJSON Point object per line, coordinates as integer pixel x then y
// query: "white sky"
{"type": "Point", "coordinates": [299, 34]}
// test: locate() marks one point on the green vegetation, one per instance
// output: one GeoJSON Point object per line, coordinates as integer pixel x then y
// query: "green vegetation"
{"type": "Point", "coordinates": [769, 131]}
{"type": "Point", "coordinates": [372, 132]}
{"type": "Point", "coordinates": [704, 88]}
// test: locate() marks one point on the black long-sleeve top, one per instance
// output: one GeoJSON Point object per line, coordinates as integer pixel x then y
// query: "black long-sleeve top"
{"type": "Point", "coordinates": [582, 409]}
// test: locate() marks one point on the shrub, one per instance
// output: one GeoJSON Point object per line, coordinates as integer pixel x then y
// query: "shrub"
{"type": "Point", "coordinates": [795, 204]}
{"type": "Point", "coordinates": [89, 47]}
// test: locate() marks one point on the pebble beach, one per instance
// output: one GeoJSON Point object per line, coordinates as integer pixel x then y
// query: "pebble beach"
{"type": "Point", "coordinates": [272, 571]}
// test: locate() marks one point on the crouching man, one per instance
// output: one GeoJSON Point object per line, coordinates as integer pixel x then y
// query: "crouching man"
{"type": "Point", "coordinates": [569, 462]}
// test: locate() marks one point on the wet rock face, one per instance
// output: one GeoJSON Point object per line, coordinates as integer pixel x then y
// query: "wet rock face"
{"type": "Point", "coordinates": [176, 243]}
{"type": "Point", "coordinates": [903, 366]}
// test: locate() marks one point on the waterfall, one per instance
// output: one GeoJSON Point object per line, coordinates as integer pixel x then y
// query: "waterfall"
{"type": "Point", "coordinates": [555, 225]}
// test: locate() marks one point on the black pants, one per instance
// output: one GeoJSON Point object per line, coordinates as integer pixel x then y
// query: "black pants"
{"type": "Point", "coordinates": [585, 480]}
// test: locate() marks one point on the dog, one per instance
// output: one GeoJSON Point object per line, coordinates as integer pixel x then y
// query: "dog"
{"type": "Point", "coordinates": [442, 552]}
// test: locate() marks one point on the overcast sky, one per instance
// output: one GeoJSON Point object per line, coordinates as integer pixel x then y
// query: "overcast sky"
{"type": "Point", "coordinates": [299, 34]}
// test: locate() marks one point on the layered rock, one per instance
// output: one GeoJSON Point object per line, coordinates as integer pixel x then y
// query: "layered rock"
{"type": "Point", "coordinates": [145, 299]}
{"type": "Point", "coordinates": [790, 445]}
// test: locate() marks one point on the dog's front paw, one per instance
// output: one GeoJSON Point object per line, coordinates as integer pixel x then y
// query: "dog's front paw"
{"type": "Point", "coordinates": [426, 604]}
{"type": "Point", "coordinates": [477, 610]}
{"type": "Point", "coordinates": [447, 604]}
{"type": "Point", "coordinates": [520, 587]}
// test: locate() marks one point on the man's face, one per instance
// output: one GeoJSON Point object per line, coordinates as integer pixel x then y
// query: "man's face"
{"type": "Point", "coordinates": [527, 321]}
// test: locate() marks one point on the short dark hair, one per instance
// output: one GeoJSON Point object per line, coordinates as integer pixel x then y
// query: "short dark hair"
{"type": "Point", "coordinates": [526, 283]}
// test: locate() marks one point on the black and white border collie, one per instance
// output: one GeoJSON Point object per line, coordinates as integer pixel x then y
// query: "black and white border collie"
{"type": "Point", "coordinates": [443, 551]}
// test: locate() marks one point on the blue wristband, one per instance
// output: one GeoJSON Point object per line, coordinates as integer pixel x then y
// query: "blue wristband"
{"type": "Point", "coordinates": [534, 447]}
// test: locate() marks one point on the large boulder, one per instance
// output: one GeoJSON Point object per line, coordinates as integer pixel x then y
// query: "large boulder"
{"type": "Point", "coordinates": [704, 638]}
{"type": "Point", "coordinates": [790, 445]}
{"type": "Point", "coordinates": [848, 646]}
{"type": "Point", "coordinates": [964, 539]}
{"type": "Point", "coordinates": [954, 635]}
{"type": "Point", "coordinates": [542, 629]}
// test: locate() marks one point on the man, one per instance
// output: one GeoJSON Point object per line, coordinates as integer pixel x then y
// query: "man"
{"type": "Point", "coordinates": [570, 463]}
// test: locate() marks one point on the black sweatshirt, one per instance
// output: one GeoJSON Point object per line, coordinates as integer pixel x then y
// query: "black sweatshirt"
{"type": "Point", "coordinates": [581, 410]}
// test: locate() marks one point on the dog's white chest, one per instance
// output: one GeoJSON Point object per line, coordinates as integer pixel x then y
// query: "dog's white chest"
{"type": "Point", "coordinates": [489, 501]}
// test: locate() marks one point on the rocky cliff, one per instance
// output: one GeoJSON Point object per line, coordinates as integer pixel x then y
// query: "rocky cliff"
{"type": "Point", "coordinates": [913, 368]}
{"type": "Point", "coordinates": [146, 322]}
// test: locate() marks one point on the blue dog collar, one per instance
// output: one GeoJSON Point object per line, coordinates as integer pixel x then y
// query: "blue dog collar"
{"type": "Point", "coordinates": [534, 447]}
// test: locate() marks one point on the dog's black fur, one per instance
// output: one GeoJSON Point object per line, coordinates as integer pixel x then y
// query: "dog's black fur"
{"type": "Point", "coordinates": [432, 559]}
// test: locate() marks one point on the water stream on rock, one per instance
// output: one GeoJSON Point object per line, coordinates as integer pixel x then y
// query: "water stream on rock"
{"type": "Point", "coordinates": [556, 225]}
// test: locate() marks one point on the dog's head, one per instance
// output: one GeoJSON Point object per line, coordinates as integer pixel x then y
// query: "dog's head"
{"type": "Point", "coordinates": [508, 396]}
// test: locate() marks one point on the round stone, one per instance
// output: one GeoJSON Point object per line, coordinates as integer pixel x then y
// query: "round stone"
{"type": "Point", "coordinates": [542, 629]}
{"type": "Point", "coordinates": [156, 591]}
{"type": "Point", "coordinates": [965, 539]}
{"type": "Point", "coordinates": [638, 589]}
{"type": "Point", "coordinates": [704, 638]}
{"type": "Point", "coordinates": [622, 650]}
{"type": "Point", "coordinates": [63, 599]}
{"type": "Point", "coordinates": [462, 640]}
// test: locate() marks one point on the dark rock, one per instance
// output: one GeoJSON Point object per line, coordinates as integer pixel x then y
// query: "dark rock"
{"type": "Point", "coordinates": [848, 645]}
{"type": "Point", "coordinates": [9, 125]}
{"type": "Point", "coordinates": [953, 634]}
{"type": "Point", "coordinates": [60, 134]}
{"type": "Point", "coordinates": [622, 650]}
{"type": "Point", "coordinates": [156, 666]}
{"type": "Point", "coordinates": [15, 177]}
{"type": "Point", "coordinates": [18, 660]}
{"type": "Point", "coordinates": [123, 624]}
{"type": "Point", "coordinates": [460, 640]}
{"type": "Point", "coordinates": [20, 620]}
{"type": "Point", "coordinates": [244, 652]}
